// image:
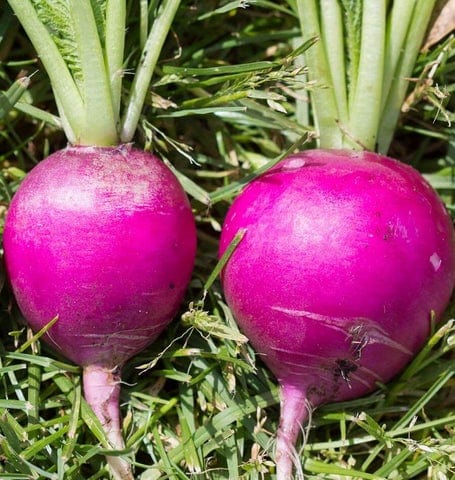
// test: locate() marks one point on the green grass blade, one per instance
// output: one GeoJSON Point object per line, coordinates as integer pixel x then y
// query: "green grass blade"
{"type": "Point", "coordinates": [394, 463]}
{"type": "Point", "coordinates": [9, 98]}
{"type": "Point", "coordinates": [223, 260]}
{"type": "Point", "coordinates": [73, 424]}
{"type": "Point", "coordinates": [34, 373]}
{"type": "Point", "coordinates": [316, 466]}
{"type": "Point", "coordinates": [37, 336]}
{"type": "Point", "coordinates": [233, 188]}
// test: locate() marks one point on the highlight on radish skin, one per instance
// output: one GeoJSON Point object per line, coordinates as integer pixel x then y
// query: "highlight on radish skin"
{"type": "Point", "coordinates": [346, 259]}
{"type": "Point", "coordinates": [104, 238]}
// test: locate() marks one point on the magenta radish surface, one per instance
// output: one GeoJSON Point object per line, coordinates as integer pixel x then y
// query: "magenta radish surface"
{"type": "Point", "coordinates": [344, 258]}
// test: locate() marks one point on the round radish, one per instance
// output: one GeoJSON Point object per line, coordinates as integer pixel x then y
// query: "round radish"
{"type": "Point", "coordinates": [104, 239]}
{"type": "Point", "coordinates": [100, 234]}
{"type": "Point", "coordinates": [346, 258]}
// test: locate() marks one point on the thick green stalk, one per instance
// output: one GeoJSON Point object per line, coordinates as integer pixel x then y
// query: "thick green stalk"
{"type": "Point", "coordinates": [302, 111]}
{"type": "Point", "coordinates": [352, 18]}
{"type": "Point", "coordinates": [71, 135]}
{"type": "Point", "coordinates": [333, 33]}
{"type": "Point", "coordinates": [414, 39]}
{"type": "Point", "coordinates": [366, 53]}
{"type": "Point", "coordinates": [62, 81]}
{"type": "Point", "coordinates": [150, 54]}
{"type": "Point", "coordinates": [323, 96]}
{"type": "Point", "coordinates": [143, 22]}
{"type": "Point", "coordinates": [397, 29]}
{"type": "Point", "coordinates": [99, 125]}
{"type": "Point", "coordinates": [85, 105]}
{"type": "Point", "coordinates": [115, 49]}
{"type": "Point", "coordinates": [365, 110]}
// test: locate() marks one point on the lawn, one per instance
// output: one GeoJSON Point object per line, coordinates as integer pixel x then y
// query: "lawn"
{"type": "Point", "coordinates": [229, 97]}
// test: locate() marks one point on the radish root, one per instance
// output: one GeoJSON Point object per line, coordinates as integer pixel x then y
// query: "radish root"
{"type": "Point", "coordinates": [102, 392]}
{"type": "Point", "coordinates": [295, 411]}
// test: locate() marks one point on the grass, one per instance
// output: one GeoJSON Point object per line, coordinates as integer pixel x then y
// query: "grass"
{"type": "Point", "coordinates": [198, 403]}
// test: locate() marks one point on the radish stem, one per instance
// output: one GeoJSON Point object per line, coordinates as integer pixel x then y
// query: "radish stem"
{"type": "Point", "coordinates": [392, 107]}
{"type": "Point", "coordinates": [324, 104]}
{"type": "Point", "coordinates": [332, 29]}
{"type": "Point", "coordinates": [62, 81]}
{"type": "Point", "coordinates": [99, 126]}
{"type": "Point", "coordinates": [365, 109]}
{"type": "Point", "coordinates": [90, 104]}
{"type": "Point", "coordinates": [400, 18]}
{"type": "Point", "coordinates": [115, 46]}
{"type": "Point", "coordinates": [361, 64]}
{"type": "Point", "coordinates": [151, 51]}
{"type": "Point", "coordinates": [143, 22]}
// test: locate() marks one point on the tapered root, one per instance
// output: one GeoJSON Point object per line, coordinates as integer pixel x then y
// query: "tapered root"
{"type": "Point", "coordinates": [102, 392]}
{"type": "Point", "coordinates": [294, 412]}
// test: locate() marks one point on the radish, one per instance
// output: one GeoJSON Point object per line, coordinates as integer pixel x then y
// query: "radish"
{"type": "Point", "coordinates": [344, 258]}
{"type": "Point", "coordinates": [348, 255]}
{"type": "Point", "coordinates": [100, 234]}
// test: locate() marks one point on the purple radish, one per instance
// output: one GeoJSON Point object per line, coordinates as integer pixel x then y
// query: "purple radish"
{"type": "Point", "coordinates": [100, 235]}
{"type": "Point", "coordinates": [345, 259]}
{"type": "Point", "coordinates": [103, 238]}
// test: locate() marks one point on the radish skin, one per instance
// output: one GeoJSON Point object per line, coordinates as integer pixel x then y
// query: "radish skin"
{"type": "Point", "coordinates": [345, 258]}
{"type": "Point", "coordinates": [104, 239]}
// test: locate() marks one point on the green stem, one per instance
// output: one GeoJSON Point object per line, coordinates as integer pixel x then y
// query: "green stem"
{"type": "Point", "coordinates": [324, 104]}
{"type": "Point", "coordinates": [333, 33]}
{"type": "Point", "coordinates": [143, 22]}
{"type": "Point", "coordinates": [365, 109]}
{"type": "Point", "coordinates": [414, 39]}
{"type": "Point", "coordinates": [71, 135]}
{"type": "Point", "coordinates": [62, 81]}
{"type": "Point", "coordinates": [115, 49]}
{"type": "Point", "coordinates": [398, 26]}
{"type": "Point", "coordinates": [302, 111]}
{"type": "Point", "coordinates": [150, 54]}
{"type": "Point", "coordinates": [73, 427]}
{"type": "Point", "coordinates": [367, 51]}
{"type": "Point", "coordinates": [99, 125]}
